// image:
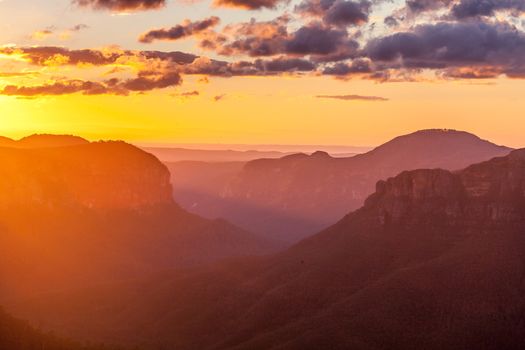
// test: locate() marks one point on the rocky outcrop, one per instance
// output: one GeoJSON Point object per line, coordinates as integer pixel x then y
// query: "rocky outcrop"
{"type": "Point", "coordinates": [101, 175]}
{"type": "Point", "coordinates": [488, 193]}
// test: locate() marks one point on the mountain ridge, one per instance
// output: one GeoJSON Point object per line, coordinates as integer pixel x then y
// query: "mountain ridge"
{"type": "Point", "coordinates": [294, 196]}
{"type": "Point", "coordinates": [433, 260]}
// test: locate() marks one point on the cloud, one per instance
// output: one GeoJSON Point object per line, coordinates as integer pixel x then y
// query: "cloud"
{"type": "Point", "coordinates": [16, 74]}
{"type": "Point", "coordinates": [144, 82]}
{"type": "Point", "coordinates": [65, 34]}
{"type": "Point", "coordinates": [187, 94]}
{"type": "Point", "coordinates": [474, 8]}
{"type": "Point", "coordinates": [60, 56]}
{"type": "Point", "coordinates": [357, 66]}
{"type": "Point", "coordinates": [79, 27]}
{"type": "Point", "coordinates": [42, 34]}
{"type": "Point", "coordinates": [353, 97]}
{"type": "Point", "coordinates": [318, 40]}
{"type": "Point", "coordinates": [255, 39]}
{"type": "Point", "coordinates": [344, 13]}
{"type": "Point", "coordinates": [180, 31]}
{"type": "Point", "coordinates": [419, 6]}
{"type": "Point", "coordinates": [336, 12]}
{"type": "Point", "coordinates": [448, 45]}
{"type": "Point", "coordinates": [55, 89]}
{"type": "Point", "coordinates": [283, 64]}
{"type": "Point", "coordinates": [53, 55]}
{"type": "Point", "coordinates": [248, 4]}
{"type": "Point", "coordinates": [271, 38]}
{"type": "Point", "coordinates": [121, 5]}
{"type": "Point", "coordinates": [219, 97]}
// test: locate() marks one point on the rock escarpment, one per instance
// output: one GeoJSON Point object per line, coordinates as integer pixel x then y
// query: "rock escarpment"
{"type": "Point", "coordinates": [489, 193]}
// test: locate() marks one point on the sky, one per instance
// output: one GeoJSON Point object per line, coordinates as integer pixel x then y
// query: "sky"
{"type": "Point", "coordinates": [324, 72]}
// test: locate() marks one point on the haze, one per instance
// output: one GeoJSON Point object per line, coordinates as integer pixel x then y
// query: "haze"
{"type": "Point", "coordinates": [262, 174]}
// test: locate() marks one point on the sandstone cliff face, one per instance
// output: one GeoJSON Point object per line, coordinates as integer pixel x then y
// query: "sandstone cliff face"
{"type": "Point", "coordinates": [102, 175]}
{"type": "Point", "coordinates": [488, 193]}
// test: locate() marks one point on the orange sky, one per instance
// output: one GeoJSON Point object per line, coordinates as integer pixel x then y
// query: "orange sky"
{"type": "Point", "coordinates": [272, 107]}
{"type": "Point", "coordinates": [278, 111]}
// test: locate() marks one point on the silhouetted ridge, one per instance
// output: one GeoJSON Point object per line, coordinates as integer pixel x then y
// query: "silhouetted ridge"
{"type": "Point", "coordinates": [320, 154]}
{"type": "Point", "coordinates": [49, 140]}
{"type": "Point", "coordinates": [43, 141]}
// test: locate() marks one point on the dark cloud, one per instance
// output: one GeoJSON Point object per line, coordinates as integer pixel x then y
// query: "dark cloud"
{"type": "Point", "coordinates": [147, 81]}
{"type": "Point", "coordinates": [53, 55]}
{"type": "Point", "coordinates": [47, 55]}
{"type": "Point", "coordinates": [271, 38]}
{"type": "Point", "coordinates": [391, 21]}
{"type": "Point", "coordinates": [180, 31]}
{"type": "Point", "coordinates": [418, 6]}
{"type": "Point", "coordinates": [316, 40]}
{"type": "Point", "coordinates": [446, 45]}
{"type": "Point", "coordinates": [121, 5]}
{"type": "Point", "coordinates": [266, 38]}
{"type": "Point", "coordinates": [474, 8]}
{"type": "Point", "coordinates": [144, 82]}
{"type": "Point", "coordinates": [353, 97]}
{"type": "Point", "coordinates": [336, 12]}
{"type": "Point", "coordinates": [259, 67]}
{"type": "Point", "coordinates": [57, 88]}
{"type": "Point", "coordinates": [188, 94]}
{"type": "Point", "coordinates": [248, 4]}
{"type": "Point", "coordinates": [314, 8]}
{"type": "Point", "coordinates": [344, 13]}
{"type": "Point", "coordinates": [358, 66]}
{"type": "Point", "coordinates": [282, 64]}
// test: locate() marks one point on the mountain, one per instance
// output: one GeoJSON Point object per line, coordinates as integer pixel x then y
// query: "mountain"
{"type": "Point", "coordinates": [43, 141]}
{"type": "Point", "coordinates": [296, 195]}
{"type": "Point", "coordinates": [6, 142]}
{"type": "Point", "coordinates": [214, 153]}
{"type": "Point", "coordinates": [170, 154]}
{"type": "Point", "coordinates": [97, 212]}
{"type": "Point", "coordinates": [433, 260]}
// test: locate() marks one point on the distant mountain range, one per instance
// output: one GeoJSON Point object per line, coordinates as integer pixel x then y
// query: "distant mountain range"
{"type": "Point", "coordinates": [183, 154]}
{"type": "Point", "coordinates": [433, 260]}
{"type": "Point", "coordinates": [166, 154]}
{"type": "Point", "coordinates": [79, 213]}
{"type": "Point", "coordinates": [294, 196]}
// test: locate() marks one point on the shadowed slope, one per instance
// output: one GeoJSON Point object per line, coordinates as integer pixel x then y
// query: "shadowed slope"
{"type": "Point", "coordinates": [18, 335]}
{"type": "Point", "coordinates": [433, 260]}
